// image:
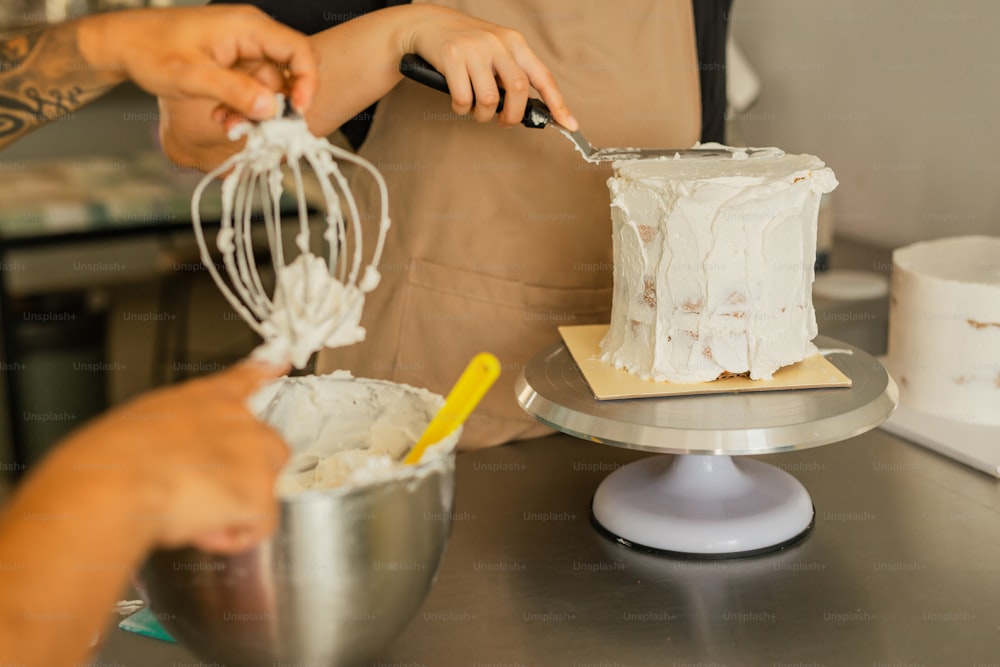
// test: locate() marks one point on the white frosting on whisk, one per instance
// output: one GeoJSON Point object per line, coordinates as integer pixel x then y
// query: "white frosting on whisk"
{"type": "Point", "coordinates": [317, 301]}
{"type": "Point", "coordinates": [312, 310]}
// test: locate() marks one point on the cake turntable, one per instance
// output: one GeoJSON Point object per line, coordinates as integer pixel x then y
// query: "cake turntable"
{"type": "Point", "coordinates": [706, 500]}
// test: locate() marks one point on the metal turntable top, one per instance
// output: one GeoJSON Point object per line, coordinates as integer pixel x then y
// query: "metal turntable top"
{"type": "Point", "coordinates": [552, 389]}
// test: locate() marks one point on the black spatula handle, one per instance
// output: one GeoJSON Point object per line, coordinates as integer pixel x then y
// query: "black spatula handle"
{"type": "Point", "coordinates": [412, 66]}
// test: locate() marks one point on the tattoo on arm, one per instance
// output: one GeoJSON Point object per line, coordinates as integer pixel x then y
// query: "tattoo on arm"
{"type": "Point", "coordinates": [44, 77]}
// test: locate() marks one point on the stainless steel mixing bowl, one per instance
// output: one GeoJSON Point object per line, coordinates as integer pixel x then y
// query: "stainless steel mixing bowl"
{"type": "Point", "coordinates": [342, 576]}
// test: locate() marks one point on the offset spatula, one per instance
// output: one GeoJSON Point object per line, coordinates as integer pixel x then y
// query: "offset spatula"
{"type": "Point", "coordinates": [537, 115]}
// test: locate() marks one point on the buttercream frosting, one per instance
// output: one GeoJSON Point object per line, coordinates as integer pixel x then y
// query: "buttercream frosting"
{"type": "Point", "coordinates": [345, 432]}
{"type": "Point", "coordinates": [713, 264]}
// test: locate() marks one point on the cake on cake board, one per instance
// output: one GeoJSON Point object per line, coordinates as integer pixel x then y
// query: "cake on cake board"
{"type": "Point", "coordinates": [944, 347]}
{"type": "Point", "coordinates": [714, 264]}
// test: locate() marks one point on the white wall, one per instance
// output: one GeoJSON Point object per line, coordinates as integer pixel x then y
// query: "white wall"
{"type": "Point", "coordinates": [900, 97]}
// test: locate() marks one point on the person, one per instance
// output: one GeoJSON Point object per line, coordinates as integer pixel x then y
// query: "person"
{"type": "Point", "coordinates": [179, 54]}
{"type": "Point", "coordinates": [186, 465]}
{"type": "Point", "coordinates": [499, 236]}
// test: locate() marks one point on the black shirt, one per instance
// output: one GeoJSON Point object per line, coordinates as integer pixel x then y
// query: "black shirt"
{"type": "Point", "coordinates": [710, 25]}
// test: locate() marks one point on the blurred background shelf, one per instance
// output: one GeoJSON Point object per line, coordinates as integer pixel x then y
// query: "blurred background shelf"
{"type": "Point", "coordinates": [16, 14]}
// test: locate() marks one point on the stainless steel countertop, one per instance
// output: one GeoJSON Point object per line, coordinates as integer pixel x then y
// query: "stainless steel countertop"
{"type": "Point", "coordinates": [901, 568]}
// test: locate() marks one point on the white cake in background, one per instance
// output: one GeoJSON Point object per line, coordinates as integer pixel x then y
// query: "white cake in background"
{"type": "Point", "coordinates": [944, 328]}
{"type": "Point", "coordinates": [713, 264]}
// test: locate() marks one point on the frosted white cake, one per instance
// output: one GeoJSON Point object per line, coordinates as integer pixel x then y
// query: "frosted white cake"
{"type": "Point", "coordinates": [713, 264]}
{"type": "Point", "coordinates": [944, 328]}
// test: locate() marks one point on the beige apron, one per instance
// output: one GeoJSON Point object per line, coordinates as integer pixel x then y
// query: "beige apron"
{"type": "Point", "coordinates": [499, 236]}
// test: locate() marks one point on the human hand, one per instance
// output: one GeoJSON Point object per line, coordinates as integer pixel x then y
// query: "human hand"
{"type": "Point", "coordinates": [235, 55]}
{"type": "Point", "coordinates": [473, 55]}
{"type": "Point", "coordinates": [199, 466]}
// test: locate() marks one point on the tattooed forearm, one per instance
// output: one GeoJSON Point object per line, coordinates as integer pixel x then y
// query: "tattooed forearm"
{"type": "Point", "coordinates": [43, 76]}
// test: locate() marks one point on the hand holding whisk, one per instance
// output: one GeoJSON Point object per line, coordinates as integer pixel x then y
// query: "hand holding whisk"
{"type": "Point", "coordinates": [317, 301]}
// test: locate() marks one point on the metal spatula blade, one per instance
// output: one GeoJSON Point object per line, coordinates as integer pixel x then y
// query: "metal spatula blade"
{"type": "Point", "coordinates": [593, 154]}
{"type": "Point", "coordinates": [537, 115]}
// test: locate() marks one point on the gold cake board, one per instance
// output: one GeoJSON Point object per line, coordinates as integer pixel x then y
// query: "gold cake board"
{"type": "Point", "coordinates": [608, 383]}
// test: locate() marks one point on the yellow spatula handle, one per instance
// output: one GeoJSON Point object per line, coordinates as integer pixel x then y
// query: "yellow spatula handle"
{"type": "Point", "coordinates": [475, 381]}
